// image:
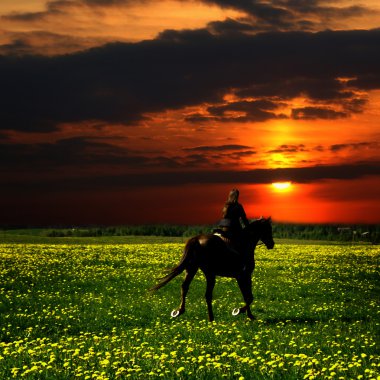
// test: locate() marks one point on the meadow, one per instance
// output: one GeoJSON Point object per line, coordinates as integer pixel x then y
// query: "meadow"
{"type": "Point", "coordinates": [82, 311]}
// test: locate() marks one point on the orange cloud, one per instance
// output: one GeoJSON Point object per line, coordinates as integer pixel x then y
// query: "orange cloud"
{"type": "Point", "coordinates": [67, 26]}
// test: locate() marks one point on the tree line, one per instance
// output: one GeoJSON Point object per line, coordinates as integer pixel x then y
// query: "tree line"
{"type": "Point", "coordinates": [329, 232]}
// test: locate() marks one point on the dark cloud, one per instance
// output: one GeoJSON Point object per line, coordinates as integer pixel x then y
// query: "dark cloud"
{"type": "Point", "coordinates": [285, 148]}
{"type": "Point", "coordinates": [18, 46]}
{"type": "Point", "coordinates": [198, 160]}
{"type": "Point", "coordinates": [258, 110]}
{"type": "Point", "coordinates": [231, 26]}
{"type": "Point", "coordinates": [245, 153]}
{"type": "Point", "coordinates": [263, 13]}
{"type": "Point", "coordinates": [25, 16]}
{"type": "Point", "coordinates": [76, 152]}
{"type": "Point", "coordinates": [227, 158]}
{"type": "Point", "coordinates": [321, 89]}
{"type": "Point", "coordinates": [3, 136]}
{"type": "Point", "coordinates": [282, 15]}
{"type": "Point", "coordinates": [312, 113]}
{"type": "Point", "coordinates": [354, 146]}
{"type": "Point", "coordinates": [250, 26]}
{"type": "Point", "coordinates": [300, 175]}
{"type": "Point", "coordinates": [355, 105]}
{"type": "Point", "coordinates": [53, 8]}
{"type": "Point", "coordinates": [45, 43]}
{"type": "Point", "coordinates": [370, 81]}
{"type": "Point", "coordinates": [119, 83]}
{"type": "Point", "coordinates": [319, 148]}
{"type": "Point", "coordinates": [175, 178]}
{"type": "Point", "coordinates": [59, 7]}
{"type": "Point", "coordinates": [89, 153]}
{"type": "Point", "coordinates": [105, 3]}
{"type": "Point", "coordinates": [211, 148]}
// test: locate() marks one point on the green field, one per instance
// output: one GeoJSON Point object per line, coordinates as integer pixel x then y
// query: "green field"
{"type": "Point", "coordinates": [82, 311]}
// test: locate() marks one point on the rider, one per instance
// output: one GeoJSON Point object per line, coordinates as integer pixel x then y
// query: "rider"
{"type": "Point", "coordinates": [234, 218]}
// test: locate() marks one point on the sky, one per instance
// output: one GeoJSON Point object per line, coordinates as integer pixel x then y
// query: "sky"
{"type": "Point", "coordinates": [150, 111]}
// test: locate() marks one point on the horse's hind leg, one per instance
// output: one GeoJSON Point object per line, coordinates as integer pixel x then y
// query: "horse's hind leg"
{"type": "Point", "coordinates": [184, 289]}
{"type": "Point", "coordinates": [245, 286]}
{"type": "Point", "coordinates": [210, 287]}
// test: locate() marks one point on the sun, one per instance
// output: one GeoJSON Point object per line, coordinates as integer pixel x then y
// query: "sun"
{"type": "Point", "coordinates": [282, 186]}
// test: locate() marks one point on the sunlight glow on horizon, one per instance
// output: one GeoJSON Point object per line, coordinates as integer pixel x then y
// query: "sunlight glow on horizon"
{"type": "Point", "coordinates": [282, 186]}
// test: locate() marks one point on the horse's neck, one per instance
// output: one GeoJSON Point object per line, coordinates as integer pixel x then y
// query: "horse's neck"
{"type": "Point", "coordinates": [251, 248]}
{"type": "Point", "coordinates": [255, 241]}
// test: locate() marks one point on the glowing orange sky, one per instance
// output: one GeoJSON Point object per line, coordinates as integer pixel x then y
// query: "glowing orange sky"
{"type": "Point", "coordinates": [178, 101]}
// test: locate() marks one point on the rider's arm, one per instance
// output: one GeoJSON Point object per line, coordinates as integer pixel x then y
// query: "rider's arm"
{"type": "Point", "coordinates": [243, 217]}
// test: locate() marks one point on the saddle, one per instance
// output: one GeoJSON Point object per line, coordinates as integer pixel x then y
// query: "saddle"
{"type": "Point", "coordinates": [225, 236]}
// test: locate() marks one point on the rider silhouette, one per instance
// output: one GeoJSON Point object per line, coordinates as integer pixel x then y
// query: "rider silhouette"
{"type": "Point", "coordinates": [233, 219]}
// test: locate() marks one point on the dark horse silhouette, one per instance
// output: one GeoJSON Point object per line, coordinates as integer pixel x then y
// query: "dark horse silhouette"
{"type": "Point", "coordinates": [214, 257]}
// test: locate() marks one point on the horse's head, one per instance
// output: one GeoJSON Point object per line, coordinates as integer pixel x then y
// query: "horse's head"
{"type": "Point", "coordinates": [262, 230]}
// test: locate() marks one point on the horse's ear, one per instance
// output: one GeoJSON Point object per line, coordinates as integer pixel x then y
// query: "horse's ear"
{"type": "Point", "coordinates": [270, 219]}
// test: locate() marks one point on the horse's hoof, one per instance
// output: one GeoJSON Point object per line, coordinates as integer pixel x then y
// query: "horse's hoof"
{"type": "Point", "coordinates": [236, 311]}
{"type": "Point", "coordinates": [174, 313]}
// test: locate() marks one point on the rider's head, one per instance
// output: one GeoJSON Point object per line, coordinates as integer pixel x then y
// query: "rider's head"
{"type": "Point", "coordinates": [233, 196]}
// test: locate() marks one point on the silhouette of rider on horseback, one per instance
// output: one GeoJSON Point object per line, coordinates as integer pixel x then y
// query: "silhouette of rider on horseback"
{"type": "Point", "coordinates": [233, 220]}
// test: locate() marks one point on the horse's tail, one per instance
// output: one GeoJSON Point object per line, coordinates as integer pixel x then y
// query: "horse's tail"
{"type": "Point", "coordinates": [191, 245]}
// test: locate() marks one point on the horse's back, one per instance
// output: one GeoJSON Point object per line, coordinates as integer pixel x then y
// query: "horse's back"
{"type": "Point", "coordinates": [215, 256]}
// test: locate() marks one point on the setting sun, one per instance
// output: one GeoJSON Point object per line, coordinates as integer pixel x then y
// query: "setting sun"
{"type": "Point", "coordinates": [282, 186]}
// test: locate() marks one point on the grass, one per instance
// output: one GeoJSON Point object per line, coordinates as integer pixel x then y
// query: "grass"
{"type": "Point", "coordinates": [39, 237]}
{"type": "Point", "coordinates": [82, 311]}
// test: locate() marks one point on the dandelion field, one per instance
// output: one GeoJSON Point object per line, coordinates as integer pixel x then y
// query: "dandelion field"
{"type": "Point", "coordinates": [83, 312]}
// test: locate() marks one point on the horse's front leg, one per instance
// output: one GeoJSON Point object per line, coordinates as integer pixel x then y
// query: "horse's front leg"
{"type": "Point", "coordinates": [245, 285]}
{"type": "Point", "coordinates": [210, 287]}
{"type": "Point", "coordinates": [184, 289]}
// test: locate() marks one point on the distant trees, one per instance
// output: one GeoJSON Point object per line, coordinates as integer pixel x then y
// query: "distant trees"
{"type": "Point", "coordinates": [355, 233]}
{"type": "Point", "coordinates": [135, 230]}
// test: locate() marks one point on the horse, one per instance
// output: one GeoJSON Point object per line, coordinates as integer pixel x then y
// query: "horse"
{"type": "Point", "coordinates": [214, 256]}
